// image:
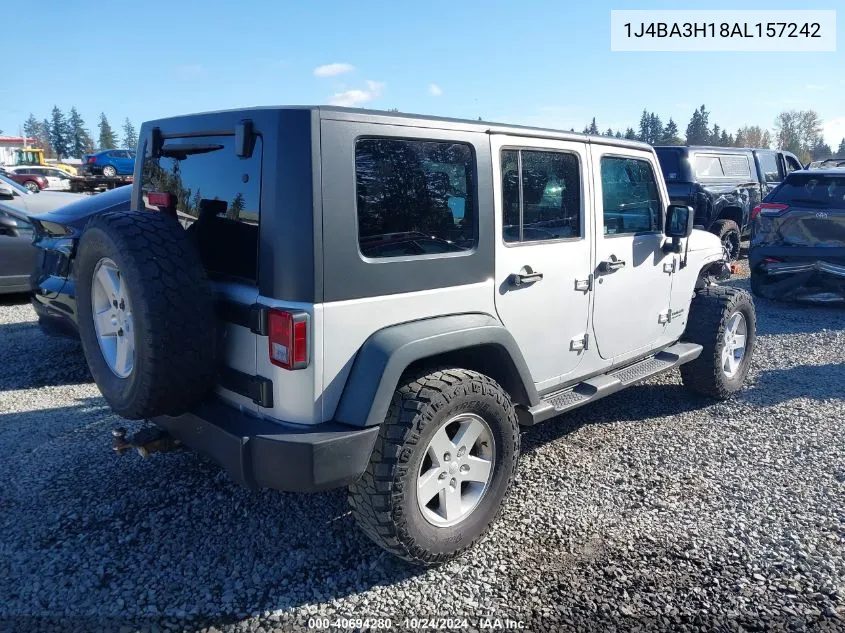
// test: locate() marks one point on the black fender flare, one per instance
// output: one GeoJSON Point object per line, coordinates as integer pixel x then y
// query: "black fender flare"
{"type": "Point", "coordinates": [476, 339]}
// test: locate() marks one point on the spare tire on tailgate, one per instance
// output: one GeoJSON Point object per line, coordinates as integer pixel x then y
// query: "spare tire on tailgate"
{"type": "Point", "coordinates": [146, 314]}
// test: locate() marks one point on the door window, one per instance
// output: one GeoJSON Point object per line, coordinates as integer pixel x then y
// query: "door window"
{"type": "Point", "coordinates": [630, 198]}
{"type": "Point", "coordinates": [541, 196]}
{"type": "Point", "coordinates": [769, 166]}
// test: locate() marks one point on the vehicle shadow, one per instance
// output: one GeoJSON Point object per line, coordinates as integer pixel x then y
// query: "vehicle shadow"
{"type": "Point", "coordinates": [635, 404]}
{"type": "Point", "coordinates": [32, 359]}
{"type": "Point", "coordinates": [15, 299]}
{"type": "Point", "coordinates": [170, 536]}
{"type": "Point", "coordinates": [815, 382]}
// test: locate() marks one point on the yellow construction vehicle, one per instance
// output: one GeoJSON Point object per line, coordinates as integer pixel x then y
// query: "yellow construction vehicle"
{"type": "Point", "coordinates": [35, 156]}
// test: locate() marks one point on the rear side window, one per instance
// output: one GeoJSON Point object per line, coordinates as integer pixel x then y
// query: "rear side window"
{"type": "Point", "coordinates": [415, 197]}
{"type": "Point", "coordinates": [769, 166]}
{"type": "Point", "coordinates": [811, 190]}
{"type": "Point", "coordinates": [736, 166]}
{"type": "Point", "coordinates": [670, 163]}
{"type": "Point", "coordinates": [630, 200]}
{"type": "Point", "coordinates": [216, 196]}
{"type": "Point", "coordinates": [708, 166]}
{"type": "Point", "coordinates": [541, 196]}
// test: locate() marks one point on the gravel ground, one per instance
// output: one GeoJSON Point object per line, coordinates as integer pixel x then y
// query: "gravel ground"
{"type": "Point", "coordinates": [650, 510]}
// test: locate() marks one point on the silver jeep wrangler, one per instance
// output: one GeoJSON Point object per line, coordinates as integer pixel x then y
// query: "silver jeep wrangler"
{"type": "Point", "coordinates": [321, 297]}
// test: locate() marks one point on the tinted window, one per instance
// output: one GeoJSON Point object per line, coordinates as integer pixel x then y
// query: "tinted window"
{"type": "Point", "coordinates": [670, 163]}
{"type": "Point", "coordinates": [769, 166]}
{"type": "Point", "coordinates": [630, 200]}
{"type": "Point", "coordinates": [791, 164]}
{"type": "Point", "coordinates": [735, 166]}
{"type": "Point", "coordinates": [215, 195]}
{"type": "Point", "coordinates": [708, 166]}
{"type": "Point", "coordinates": [415, 197]}
{"type": "Point", "coordinates": [812, 190]}
{"type": "Point", "coordinates": [541, 196]}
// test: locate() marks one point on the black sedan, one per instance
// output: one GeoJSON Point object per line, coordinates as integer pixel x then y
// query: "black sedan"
{"type": "Point", "coordinates": [798, 239]}
{"type": "Point", "coordinates": [55, 240]}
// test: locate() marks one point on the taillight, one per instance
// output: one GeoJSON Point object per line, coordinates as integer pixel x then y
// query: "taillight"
{"type": "Point", "coordinates": [160, 199]}
{"type": "Point", "coordinates": [770, 260]}
{"type": "Point", "coordinates": [92, 160]}
{"type": "Point", "coordinates": [288, 339]}
{"type": "Point", "coordinates": [768, 208]}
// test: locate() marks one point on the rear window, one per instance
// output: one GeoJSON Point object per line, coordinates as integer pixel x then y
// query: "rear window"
{"type": "Point", "coordinates": [814, 190]}
{"type": "Point", "coordinates": [217, 199]}
{"type": "Point", "coordinates": [670, 163]}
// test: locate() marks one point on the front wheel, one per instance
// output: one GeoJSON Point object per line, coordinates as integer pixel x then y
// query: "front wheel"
{"type": "Point", "coordinates": [32, 186]}
{"type": "Point", "coordinates": [728, 232]}
{"type": "Point", "coordinates": [109, 171]}
{"type": "Point", "coordinates": [724, 322]}
{"type": "Point", "coordinates": [440, 469]}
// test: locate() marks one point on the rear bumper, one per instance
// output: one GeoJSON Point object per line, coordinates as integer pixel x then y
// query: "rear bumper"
{"type": "Point", "coordinates": [259, 453]}
{"type": "Point", "coordinates": [801, 278]}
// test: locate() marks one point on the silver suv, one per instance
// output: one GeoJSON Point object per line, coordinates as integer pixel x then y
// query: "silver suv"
{"type": "Point", "coordinates": [322, 297]}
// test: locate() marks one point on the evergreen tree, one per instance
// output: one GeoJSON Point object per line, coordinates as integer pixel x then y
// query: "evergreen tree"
{"type": "Point", "coordinates": [234, 211]}
{"type": "Point", "coordinates": [130, 137]}
{"type": "Point", "coordinates": [618, 134]}
{"type": "Point", "coordinates": [716, 135]}
{"type": "Point", "coordinates": [31, 127]}
{"type": "Point", "coordinates": [59, 133]}
{"type": "Point", "coordinates": [44, 140]}
{"type": "Point", "coordinates": [644, 129]}
{"type": "Point", "coordinates": [608, 132]}
{"type": "Point", "coordinates": [592, 128]}
{"type": "Point", "coordinates": [655, 129]}
{"type": "Point", "coordinates": [630, 134]}
{"type": "Point", "coordinates": [108, 139]}
{"type": "Point", "coordinates": [698, 130]}
{"type": "Point", "coordinates": [725, 139]}
{"type": "Point", "coordinates": [840, 153]}
{"type": "Point", "coordinates": [670, 133]}
{"type": "Point", "coordinates": [79, 139]}
{"type": "Point", "coordinates": [821, 150]}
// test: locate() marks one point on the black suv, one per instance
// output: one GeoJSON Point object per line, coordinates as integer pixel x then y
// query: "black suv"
{"type": "Point", "coordinates": [723, 184]}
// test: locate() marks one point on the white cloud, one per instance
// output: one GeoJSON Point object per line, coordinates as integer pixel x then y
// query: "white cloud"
{"type": "Point", "coordinates": [817, 86]}
{"type": "Point", "coordinates": [434, 90]}
{"type": "Point", "coordinates": [332, 70]}
{"type": "Point", "coordinates": [834, 131]}
{"type": "Point", "coordinates": [351, 98]}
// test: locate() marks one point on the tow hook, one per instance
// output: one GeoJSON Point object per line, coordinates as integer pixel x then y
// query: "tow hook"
{"type": "Point", "coordinates": [147, 441]}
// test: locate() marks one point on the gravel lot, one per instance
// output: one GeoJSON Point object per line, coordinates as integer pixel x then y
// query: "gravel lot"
{"type": "Point", "coordinates": [650, 510]}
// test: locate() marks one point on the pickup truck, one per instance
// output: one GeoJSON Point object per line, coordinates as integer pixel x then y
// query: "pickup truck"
{"type": "Point", "coordinates": [723, 184]}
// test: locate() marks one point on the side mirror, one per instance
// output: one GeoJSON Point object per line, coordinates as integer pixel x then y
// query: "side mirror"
{"type": "Point", "coordinates": [679, 221]}
{"type": "Point", "coordinates": [6, 193]}
{"type": "Point", "coordinates": [8, 226]}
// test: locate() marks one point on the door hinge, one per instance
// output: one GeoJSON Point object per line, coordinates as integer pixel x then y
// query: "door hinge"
{"type": "Point", "coordinates": [584, 285]}
{"type": "Point", "coordinates": [670, 267]}
{"type": "Point", "coordinates": [579, 343]}
{"type": "Point", "coordinates": [664, 317]}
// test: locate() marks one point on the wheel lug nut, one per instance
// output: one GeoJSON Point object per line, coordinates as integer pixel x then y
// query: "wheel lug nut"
{"type": "Point", "coordinates": [464, 468]}
{"type": "Point", "coordinates": [462, 451]}
{"type": "Point", "coordinates": [442, 476]}
{"type": "Point", "coordinates": [447, 457]}
{"type": "Point", "coordinates": [453, 483]}
{"type": "Point", "coordinates": [114, 303]}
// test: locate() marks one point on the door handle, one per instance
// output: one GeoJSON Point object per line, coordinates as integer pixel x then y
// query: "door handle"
{"type": "Point", "coordinates": [612, 264]}
{"type": "Point", "coordinates": [525, 276]}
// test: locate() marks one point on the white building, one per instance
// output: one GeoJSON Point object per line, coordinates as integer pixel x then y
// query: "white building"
{"type": "Point", "coordinates": [8, 145]}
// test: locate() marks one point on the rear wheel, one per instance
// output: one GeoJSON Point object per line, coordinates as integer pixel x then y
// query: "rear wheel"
{"type": "Point", "coordinates": [441, 466]}
{"type": "Point", "coordinates": [109, 171]}
{"type": "Point", "coordinates": [32, 186]}
{"type": "Point", "coordinates": [723, 321]}
{"type": "Point", "coordinates": [728, 232]}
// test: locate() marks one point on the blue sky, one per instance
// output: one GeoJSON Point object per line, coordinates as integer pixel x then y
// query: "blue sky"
{"type": "Point", "coordinates": [536, 62]}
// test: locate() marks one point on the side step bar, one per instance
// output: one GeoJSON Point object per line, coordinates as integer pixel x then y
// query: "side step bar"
{"type": "Point", "coordinates": [605, 384]}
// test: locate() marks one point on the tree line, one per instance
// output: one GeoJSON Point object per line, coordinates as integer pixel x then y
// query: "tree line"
{"type": "Point", "coordinates": [797, 131]}
{"type": "Point", "coordinates": [66, 135]}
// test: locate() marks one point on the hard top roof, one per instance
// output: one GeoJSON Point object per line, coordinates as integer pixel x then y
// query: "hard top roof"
{"type": "Point", "coordinates": [424, 121]}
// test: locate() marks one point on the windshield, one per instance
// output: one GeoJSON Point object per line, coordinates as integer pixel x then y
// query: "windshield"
{"type": "Point", "coordinates": [816, 190]}
{"type": "Point", "coordinates": [19, 188]}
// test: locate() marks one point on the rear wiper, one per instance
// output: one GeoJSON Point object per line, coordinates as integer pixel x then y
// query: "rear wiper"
{"type": "Point", "coordinates": [180, 152]}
